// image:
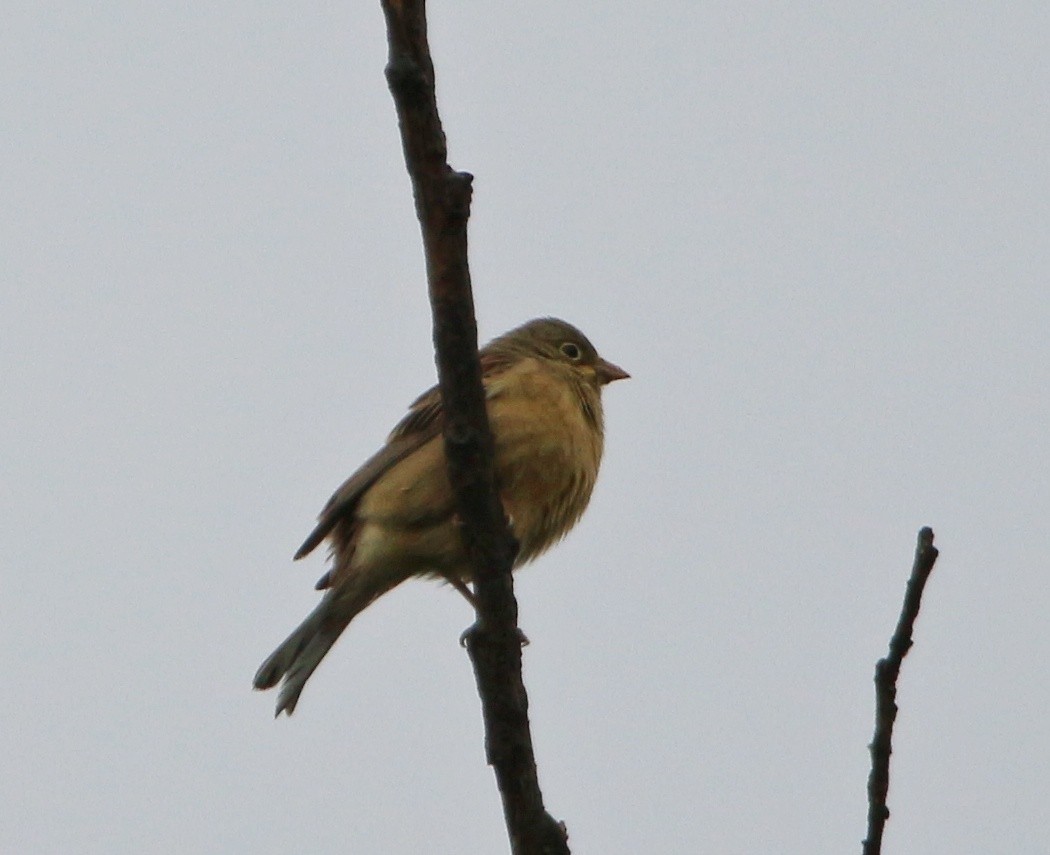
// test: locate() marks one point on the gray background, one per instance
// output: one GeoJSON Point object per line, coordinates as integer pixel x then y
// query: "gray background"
{"type": "Point", "coordinates": [816, 234]}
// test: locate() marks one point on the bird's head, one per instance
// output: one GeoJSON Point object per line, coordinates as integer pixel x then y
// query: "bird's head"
{"type": "Point", "coordinates": [560, 342]}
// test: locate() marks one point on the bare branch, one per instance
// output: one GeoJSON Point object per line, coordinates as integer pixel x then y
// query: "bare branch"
{"type": "Point", "coordinates": [886, 672]}
{"type": "Point", "coordinates": [442, 198]}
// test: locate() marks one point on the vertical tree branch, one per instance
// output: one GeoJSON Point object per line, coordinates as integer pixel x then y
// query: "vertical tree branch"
{"type": "Point", "coordinates": [442, 198]}
{"type": "Point", "coordinates": [886, 672]}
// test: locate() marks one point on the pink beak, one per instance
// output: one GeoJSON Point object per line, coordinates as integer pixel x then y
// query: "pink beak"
{"type": "Point", "coordinates": [607, 372]}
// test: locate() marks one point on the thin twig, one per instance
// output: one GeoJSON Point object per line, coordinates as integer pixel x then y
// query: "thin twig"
{"type": "Point", "coordinates": [442, 198]}
{"type": "Point", "coordinates": [886, 673]}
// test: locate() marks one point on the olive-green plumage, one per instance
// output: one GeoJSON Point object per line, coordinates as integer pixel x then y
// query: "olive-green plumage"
{"type": "Point", "coordinates": [394, 517]}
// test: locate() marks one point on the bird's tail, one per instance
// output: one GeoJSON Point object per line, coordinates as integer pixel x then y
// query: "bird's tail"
{"type": "Point", "coordinates": [298, 656]}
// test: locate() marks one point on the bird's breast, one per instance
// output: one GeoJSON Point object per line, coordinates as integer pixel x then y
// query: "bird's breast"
{"type": "Point", "coordinates": [547, 455]}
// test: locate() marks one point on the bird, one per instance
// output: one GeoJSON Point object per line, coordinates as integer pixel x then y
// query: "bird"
{"type": "Point", "coordinates": [395, 517]}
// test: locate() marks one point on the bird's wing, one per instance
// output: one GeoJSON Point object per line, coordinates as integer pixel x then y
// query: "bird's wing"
{"type": "Point", "coordinates": [425, 414]}
{"type": "Point", "coordinates": [424, 421]}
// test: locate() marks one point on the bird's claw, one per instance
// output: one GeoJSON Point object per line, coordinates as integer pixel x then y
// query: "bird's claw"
{"type": "Point", "coordinates": [475, 628]}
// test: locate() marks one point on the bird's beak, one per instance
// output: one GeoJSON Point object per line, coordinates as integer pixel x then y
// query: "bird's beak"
{"type": "Point", "coordinates": [607, 372]}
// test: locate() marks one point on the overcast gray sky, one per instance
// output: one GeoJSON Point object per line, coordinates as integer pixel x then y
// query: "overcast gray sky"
{"type": "Point", "coordinates": [816, 235]}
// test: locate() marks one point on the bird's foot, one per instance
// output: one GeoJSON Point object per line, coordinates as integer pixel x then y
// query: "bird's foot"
{"type": "Point", "coordinates": [472, 631]}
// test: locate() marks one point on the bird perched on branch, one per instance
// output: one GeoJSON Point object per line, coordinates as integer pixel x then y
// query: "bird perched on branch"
{"type": "Point", "coordinates": [395, 518]}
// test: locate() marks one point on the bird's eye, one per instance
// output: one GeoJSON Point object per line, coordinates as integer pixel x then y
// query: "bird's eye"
{"type": "Point", "coordinates": [571, 350]}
